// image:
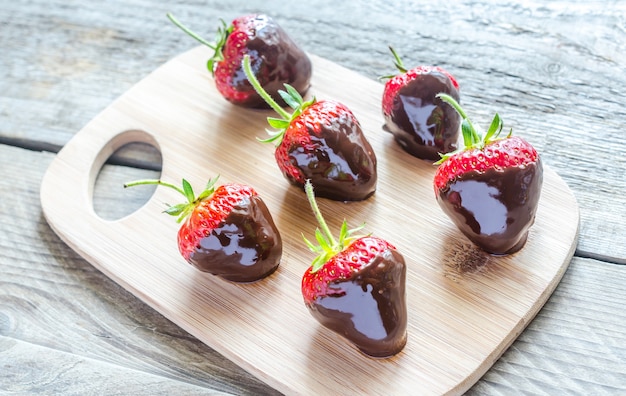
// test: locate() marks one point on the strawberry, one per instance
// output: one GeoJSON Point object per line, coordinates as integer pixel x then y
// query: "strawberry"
{"type": "Point", "coordinates": [356, 287]}
{"type": "Point", "coordinates": [421, 123]}
{"type": "Point", "coordinates": [226, 231]}
{"type": "Point", "coordinates": [321, 141]}
{"type": "Point", "coordinates": [491, 187]}
{"type": "Point", "coordinates": [276, 59]}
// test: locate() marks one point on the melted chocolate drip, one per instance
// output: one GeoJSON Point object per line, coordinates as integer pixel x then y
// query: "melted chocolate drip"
{"type": "Point", "coordinates": [421, 123]}
{"type": "Point", "coordinates": [340, 162]}
{"type": "Point", "coordinates": [369, 309]}
{"type": "Point", "coordinates": [245, 247]}
{"type": "Point", "coordinates": [496, 208]}
{"type": "Point", "coordinates": [275, 60]}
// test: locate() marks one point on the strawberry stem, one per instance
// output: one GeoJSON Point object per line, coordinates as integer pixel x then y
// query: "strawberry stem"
{"type": "Point", "coordinates": [452, 102]}
{"type": "Point", "coordinates": [327, 247]}
{"type": "Point", "coordinates": [154, 181]}
{"type": "Point", "coordinates": [217, 47]}
{"type": "Point", "coordinates": [189, 31]}
{"type": "Point", "coordinates": [308, 189]}
{"type": "Point", "coordinates": [184, 209]}
{"type": "Point", "coordinates": [471, 137]}
{"type": "Point", "coordinates": [259, 89]}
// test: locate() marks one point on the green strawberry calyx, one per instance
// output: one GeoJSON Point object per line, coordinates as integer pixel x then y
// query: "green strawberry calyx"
{"type": "Point", "coordinates": [473, 137]}
{"type": "Point", "coordinates": [182, 210]}
{"type": "Point", "coordinates": [291, 96]}
{"type": "Point", "coordinates": [220, 39]}
{"type": "Point", "coordinates": [397, 62]}
{"type": "Point", "coordinates": [327, 246]}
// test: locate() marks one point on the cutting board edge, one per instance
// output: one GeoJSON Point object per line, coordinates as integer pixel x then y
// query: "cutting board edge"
{"type": "Point", "coordinates": [49, 217]}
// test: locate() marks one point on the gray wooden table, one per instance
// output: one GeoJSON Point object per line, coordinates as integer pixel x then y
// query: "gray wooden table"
{"type": "Point", "coordinates": [556, 72]}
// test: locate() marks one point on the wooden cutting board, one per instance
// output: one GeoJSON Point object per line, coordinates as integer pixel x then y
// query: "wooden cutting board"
{"type": "Point", "coordinates": [465, 307]}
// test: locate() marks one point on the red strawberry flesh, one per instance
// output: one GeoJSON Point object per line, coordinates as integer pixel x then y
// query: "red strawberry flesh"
{"type": "Point", "coordinates": [360, 294]}
{"type": "Point", "coordinates": [276, 60]}
{"type": "Point", "coordinates": [499, 154]}
{"type": "Point", "coordinates": [232, 235]}
{"type": "Point", "coordinates": [395, 84]}
{"type": "Point", "coordinates": [420, 122]}
{"type": "Point", "coordinates": [342, 266]}
{"type": "Point", "coordinates": [326, 145]}
{"type": "Point", "coordinates": [492, 193]}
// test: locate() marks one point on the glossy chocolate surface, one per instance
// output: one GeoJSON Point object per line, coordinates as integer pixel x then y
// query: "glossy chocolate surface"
{"type": "Point", "coordinates": [495, 209]}
{"type": "Point", "coordinates": [340, 162]}
{"type": "Point", "coordinates": [275, 60]}
{"type": "Point", "coordinates": [421, 123]}
{"type": "Point", "coordinates": [245, 247]}
{"type": "Point", "coordinates": [369, 309]}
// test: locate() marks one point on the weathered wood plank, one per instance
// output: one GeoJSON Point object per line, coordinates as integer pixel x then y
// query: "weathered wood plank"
{"type": "Point", "coordinates": [51, 298]}
{"type": "Point", "coordinates": [554, 71]}
{"type": "Point", "coordinates": [575, 344]}
{"type": "Point", "coordinates": [73, 327]}
{"type": "Point", "coordinates": [191, 146]}
{"type": "Point", "coordinates": [39, 370]}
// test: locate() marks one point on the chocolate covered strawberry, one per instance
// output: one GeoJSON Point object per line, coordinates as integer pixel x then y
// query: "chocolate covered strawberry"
{"type": "Point", "coordinates": [276, 59]}
{"type": "Point", "coordinates": [226, 231]}
{"type": "Point", "coordinates": [356, 287]}
{"type": "Point", "coordinates": [490, 188]}
{"type": "Point", "coordinates": [321, 141]}
{"type": "Point", "coordinates": [420, 122]}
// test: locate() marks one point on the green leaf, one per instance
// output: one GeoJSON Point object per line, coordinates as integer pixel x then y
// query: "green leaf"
{"type": "Point", "coordinates": [186, 211]}
{"type": "Point", "coordinates": [343, 232]}
{"type": "Point", "coordinates": [327, 246]}
{"type": "Point", "coordinates": [494, 129]}
{"type": "Point", "coordinates": [278, 123]}
{"type": "Point", "coordinates": [308, 103]}
{"type": "Point", "coordinates": [353, 231]}
{"type": "Point", "coordinates": [210, 185]}
{"type": "Point", "coordinates": [294, 93]}
{"type": "Point", "coordinates": [468, 133]}
{"type": "Point", "coordinates": [188, 190]}
{"type": "Point", "coordinates": [204, 195]}
{"type": "Point", "coordinates": [386, 77]}
{"type": "Point", "coordinates": [321, 240]}
{"type": "Point", "coordinates": [397, 61]}
{"type": "Point", "coordinates": [318, 262]}
{"type": "Point", "coordinates": [175, 210]}
{"type": "Point", "coordinates": [310, 245]}
{"type": "Point", "coordinates": [275, 137]}
{"type": "Point", "coordinates": [292, 101]}
{"type": "Point", "coordinates": [473, 136]}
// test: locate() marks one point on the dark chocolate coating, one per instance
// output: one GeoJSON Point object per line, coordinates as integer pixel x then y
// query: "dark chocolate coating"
{"type": "Point", "coordinates": [245, 247]}
{"type": "Point", "coordinates": [369, 309]}
{"type": "Point", "coordinates": [421, 123]}
{"type": "Point", "coordinates": [275, 60]}
{"type": "Point", "coordinates": [495, 209]}
{"type": "Point", "coordinates": [340, 162]}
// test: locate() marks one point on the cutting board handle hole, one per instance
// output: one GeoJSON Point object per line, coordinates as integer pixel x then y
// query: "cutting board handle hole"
{"type": "Point", "coordinates": [127, 161]}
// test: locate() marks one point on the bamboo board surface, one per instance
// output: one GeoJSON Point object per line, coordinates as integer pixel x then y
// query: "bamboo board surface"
{"type": "Point", "coordinates": [465, 307]}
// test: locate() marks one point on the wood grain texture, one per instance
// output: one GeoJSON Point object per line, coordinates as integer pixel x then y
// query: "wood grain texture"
{"type": "Point", "coordinates": [65, 328]}
{"type": "Point", "coordinates": [553, 71]}
{"type": "Point", "coordinates": [465, 307]}
{"type": "Point", "coordinates": [575, 343]}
